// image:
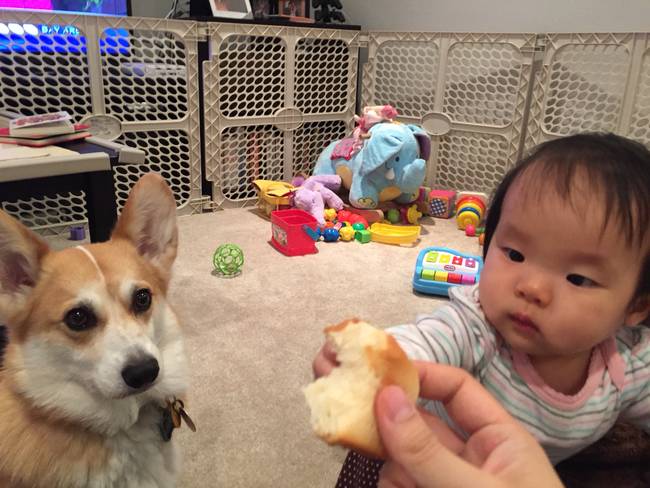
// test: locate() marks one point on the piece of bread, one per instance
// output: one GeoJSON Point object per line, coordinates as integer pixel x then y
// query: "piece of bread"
{"type": "Point", "coordinates": [342, 403]}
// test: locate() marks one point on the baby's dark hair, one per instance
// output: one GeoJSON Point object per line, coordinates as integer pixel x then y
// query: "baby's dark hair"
{"type": "Point", "coordinates": [616, 169]}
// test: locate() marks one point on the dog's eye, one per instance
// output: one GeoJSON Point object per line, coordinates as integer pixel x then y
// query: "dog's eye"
{"type": "Point", "coordinates": [79, 319]}
{"type": "Point", "coordinates": [141, 300]}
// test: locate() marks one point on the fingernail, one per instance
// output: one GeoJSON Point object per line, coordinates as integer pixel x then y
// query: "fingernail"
{"type": "Point", "coordinates": [398, 406]}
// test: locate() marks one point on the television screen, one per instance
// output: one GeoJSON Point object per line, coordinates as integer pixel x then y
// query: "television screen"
{"type": "Point", "coordinates": [104, 7]}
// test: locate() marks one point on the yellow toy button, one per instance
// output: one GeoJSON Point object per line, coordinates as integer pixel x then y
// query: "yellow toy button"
{"type": "Point", "coordinates": [441, 276]}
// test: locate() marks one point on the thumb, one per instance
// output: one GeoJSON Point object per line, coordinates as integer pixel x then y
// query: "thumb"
{"type": "Point", "coordinates": [412, 444]}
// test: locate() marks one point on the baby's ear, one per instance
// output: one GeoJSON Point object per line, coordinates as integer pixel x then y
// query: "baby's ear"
{"type": "Point", "coordinates": [639, 311]}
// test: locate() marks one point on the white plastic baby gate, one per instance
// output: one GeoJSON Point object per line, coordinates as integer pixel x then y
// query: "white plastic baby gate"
{"type": "Point", "coordinates": [274, 96]}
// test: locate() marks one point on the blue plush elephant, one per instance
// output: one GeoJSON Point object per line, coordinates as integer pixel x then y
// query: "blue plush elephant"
{"type": "Point", "coordinates": [389, 165]}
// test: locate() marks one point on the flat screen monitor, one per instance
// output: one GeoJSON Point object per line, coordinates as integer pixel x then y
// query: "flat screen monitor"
{"type": "Point", "coordinates": [102, 7]}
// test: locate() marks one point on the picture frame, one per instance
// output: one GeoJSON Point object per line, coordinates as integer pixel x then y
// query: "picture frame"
{"type": "Point", "coordinates": [234, 9]}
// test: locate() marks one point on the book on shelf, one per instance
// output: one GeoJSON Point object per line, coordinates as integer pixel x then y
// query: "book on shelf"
{"type": "Point", "coordinates": [44, 141]}
{"type": "Point", "coordinates": [6, 132]}
{"type": "Point", "coordinates": [41, 125]}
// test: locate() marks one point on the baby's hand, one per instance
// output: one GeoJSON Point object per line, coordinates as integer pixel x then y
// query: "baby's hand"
{"type": "Point", "coordinates": [325, 361]}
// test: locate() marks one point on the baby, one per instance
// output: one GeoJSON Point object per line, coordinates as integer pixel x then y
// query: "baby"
{"type": "Point", "coordinates": [552, 329]}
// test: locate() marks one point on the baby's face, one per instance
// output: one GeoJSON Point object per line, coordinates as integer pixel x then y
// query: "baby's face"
{"type": "Point", "coordinates": [554, 284]}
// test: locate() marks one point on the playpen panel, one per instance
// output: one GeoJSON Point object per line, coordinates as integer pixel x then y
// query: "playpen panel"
{"type": "Point", "coordinates": [468, 91]}
{"type": "Point", "coordinates": [405, 76]}
{"type": "Point", "coordinates": [321, 75]}
{"type": "Point", "coordinates": [585, 88]}
{"type": "Point", "coordinates": [137, 74]}
{"type": "Point", "coordinates": [308, 142]}
{"type": "Point", "coordinates": [149, 76]}
{"type": "Point", "coordinates": [44, 68]}
{"type": "Point", "coordinates": [591, 82]}
{"type": "Point", "coordinates": [47, 215]}
{"type": "Point", "coordinates": [472, 160]}
{"type": "Point", "coordinates": [482, 83]}
{"type": "Point", "coordinates": [145, 75]}
{"type": "Point", "coordinates": [274, 98]}
{"type": "Point", "coordinates": [640, 120]}
{"type": "Point", "coordinates": [248, 153]}
{"type": "Point", "coordinates": [251, 75]}
{"type": "Point", "coordinates": [165, 151]}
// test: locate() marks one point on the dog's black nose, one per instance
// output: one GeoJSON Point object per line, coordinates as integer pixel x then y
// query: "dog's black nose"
{"type": "Point", "coordinates": [142, 373]}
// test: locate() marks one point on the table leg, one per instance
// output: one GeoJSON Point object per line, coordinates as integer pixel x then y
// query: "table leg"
{"type": "Point", "coordinates": [100, 204]}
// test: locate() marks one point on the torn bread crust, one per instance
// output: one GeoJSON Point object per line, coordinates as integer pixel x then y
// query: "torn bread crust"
{"type": "Point", "coordinates": [342, 403]}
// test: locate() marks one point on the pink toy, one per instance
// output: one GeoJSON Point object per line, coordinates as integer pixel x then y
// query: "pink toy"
{"type": "Point", "coordinates": [315, 192]}
{"type": "Point", "coordinates": [442, 203]}
{"type": "Point", "coordinates": [470, 230]}
{"type": "Point", "coordinates": [370, 116]}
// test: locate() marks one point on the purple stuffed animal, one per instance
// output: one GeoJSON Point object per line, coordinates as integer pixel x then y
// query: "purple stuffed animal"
{"type": "Point", "coordinates": [315, 192]}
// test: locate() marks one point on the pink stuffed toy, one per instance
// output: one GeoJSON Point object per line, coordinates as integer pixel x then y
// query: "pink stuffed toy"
{"type": "Point", "coordinates": [315, 192]}
{"type": "Point", "coordinates": [370, 116]}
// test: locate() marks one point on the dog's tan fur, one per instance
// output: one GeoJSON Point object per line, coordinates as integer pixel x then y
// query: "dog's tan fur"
{"type": "Point", "coordinates": [67, 447]}
{"type": "Point", "coordinates": [88, 430]}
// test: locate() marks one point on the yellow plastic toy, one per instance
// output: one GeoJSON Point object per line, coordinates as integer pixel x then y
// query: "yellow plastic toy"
{"type": "Point", "coordinates": [273, 195]}
{"type": "Point", "coordinates": [466, 218]}
{"type": "Point", "coordinates": [413, 215]}
{"type": "Point", "coordinates": [394, 234]}
{"type": "Point", "coordinates": [330, 214]}
{"type": "Point", "coordinates": [470, 209]}
{"type": "Point", "coordinates": [346, 233]}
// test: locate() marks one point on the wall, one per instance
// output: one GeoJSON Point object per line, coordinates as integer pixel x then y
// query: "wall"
{"type": "Point", "coordinates": [500, 15]}
{"type": "Point", "coordinates": [150, 8]}
{"type": "Point", "coordinates": [478, 15]}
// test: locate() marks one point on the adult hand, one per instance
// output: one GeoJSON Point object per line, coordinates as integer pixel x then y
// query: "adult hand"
{"type": "Point", "coordinates": [424, 452]}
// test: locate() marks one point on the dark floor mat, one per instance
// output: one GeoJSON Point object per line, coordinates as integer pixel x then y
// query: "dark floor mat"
{"type": "Point", "coordinates": [621, 458]}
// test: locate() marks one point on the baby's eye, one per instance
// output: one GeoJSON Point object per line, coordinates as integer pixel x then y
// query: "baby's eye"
{"type": "Point", "coordinates": [513, 255]}
{"type": "Point", "coordinates": [579, 280]}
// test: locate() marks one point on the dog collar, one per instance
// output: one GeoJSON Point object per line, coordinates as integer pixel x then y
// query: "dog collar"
{"type": "Point", "coordinates": [172, 416]}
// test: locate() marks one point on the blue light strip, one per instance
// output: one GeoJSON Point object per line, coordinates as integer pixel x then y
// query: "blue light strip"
{"type": "Point", "coordinates": [12, 30]}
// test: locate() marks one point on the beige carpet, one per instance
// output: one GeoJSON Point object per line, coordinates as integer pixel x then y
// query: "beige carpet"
{"type": "Point", "coordinates": [251, 340]}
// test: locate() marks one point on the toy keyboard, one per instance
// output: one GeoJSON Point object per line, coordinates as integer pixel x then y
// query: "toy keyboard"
{"type": "Point", "coordinates": [439, 268]}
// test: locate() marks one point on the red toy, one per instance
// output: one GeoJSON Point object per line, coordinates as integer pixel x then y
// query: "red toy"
{"type": "Point", "coordinates": [293, 232]}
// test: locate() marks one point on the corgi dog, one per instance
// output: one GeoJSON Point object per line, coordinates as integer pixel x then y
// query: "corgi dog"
{"type": "Point", "coordinates": [94, 366]}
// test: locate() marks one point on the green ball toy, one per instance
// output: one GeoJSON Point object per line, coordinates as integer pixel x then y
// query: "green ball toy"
{"type": "Point", "coordinates": [393, 215]}
{"type": "Point", "coordinates": [228, 259]}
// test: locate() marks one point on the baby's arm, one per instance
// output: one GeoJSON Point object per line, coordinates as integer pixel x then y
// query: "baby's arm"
{"type": "Point", "coordinates": [452, 335]}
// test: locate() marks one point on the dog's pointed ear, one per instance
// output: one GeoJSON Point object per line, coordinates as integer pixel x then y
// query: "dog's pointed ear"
{"type": "Point", "coordinates": [21, 254]}
{"type": "Point", "coordinates": [148, 220]}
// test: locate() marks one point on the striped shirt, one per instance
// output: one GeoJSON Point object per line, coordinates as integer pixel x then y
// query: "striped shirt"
{"type": "Point", "coordinates": [617, 386]}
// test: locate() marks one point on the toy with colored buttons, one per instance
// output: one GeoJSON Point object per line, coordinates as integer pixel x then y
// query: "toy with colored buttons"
{"type": "Point", "coordinates": [437, 269]}
{"type": "Point", "coordinates": [470, 210]}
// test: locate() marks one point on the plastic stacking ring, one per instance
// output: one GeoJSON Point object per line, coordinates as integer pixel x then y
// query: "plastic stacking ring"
{"type": "Point", "coordinates": [465, 218]}
{"type": "Point", "coordinates": [470, 198]}
{"type": "Point", "coordinates": [479, 215]}
{"type": "Point", "coordinates": [473, 206]}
